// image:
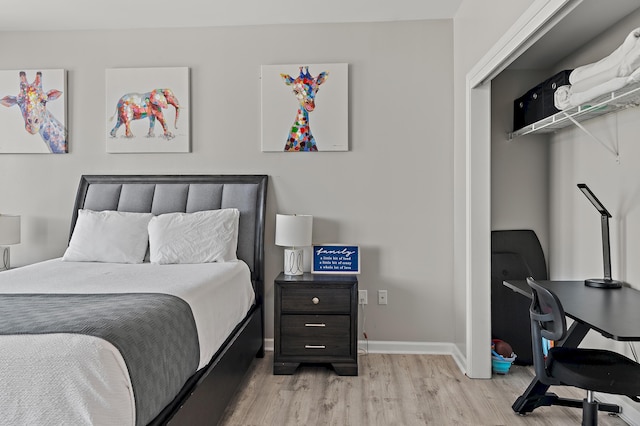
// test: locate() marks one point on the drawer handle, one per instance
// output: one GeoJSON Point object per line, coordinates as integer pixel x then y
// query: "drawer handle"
{"type": "Point", "coordinates": [314, 325]}
{"type": "Point", "coordinates": [315, 300]}
{"type": "Point", "coordinates": [315, 347]}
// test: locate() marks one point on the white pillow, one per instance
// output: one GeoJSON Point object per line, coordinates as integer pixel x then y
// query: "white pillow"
{"type": "Point", "coordinates": [109, 236]}
{"type": "Point", "coordinates": [200, 237]}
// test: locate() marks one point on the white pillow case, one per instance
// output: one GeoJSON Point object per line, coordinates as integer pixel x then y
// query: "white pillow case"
{"type": "Point", "coordinates": [109, 236]}
{"type": "Point", "coordinates": [199, 237]}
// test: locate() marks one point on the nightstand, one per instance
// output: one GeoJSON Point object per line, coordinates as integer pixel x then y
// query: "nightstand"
{"type": "Point", "coordinates": [316, 321]}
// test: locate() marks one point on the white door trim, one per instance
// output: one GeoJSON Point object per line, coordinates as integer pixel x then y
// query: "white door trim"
{"type": "Point", "coordinates": [539, 18]}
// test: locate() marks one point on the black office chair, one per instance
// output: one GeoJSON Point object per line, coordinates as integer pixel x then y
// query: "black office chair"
{"type": "Point", "coordinates": [596, 370]}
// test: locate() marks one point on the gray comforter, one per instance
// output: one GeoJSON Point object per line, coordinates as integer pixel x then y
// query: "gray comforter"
{"type": "Point", "coordinates": [155, 333]}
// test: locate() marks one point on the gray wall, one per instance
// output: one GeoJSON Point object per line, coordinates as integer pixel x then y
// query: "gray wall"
{"type": "Point", "coordinates": [519, 167]}
{"type": "Point", "coordinates": [392, 193]}
{"type": "Point", "coordinates": [575, 250]}
{"type": "Point", "coordinates": [477, 27]}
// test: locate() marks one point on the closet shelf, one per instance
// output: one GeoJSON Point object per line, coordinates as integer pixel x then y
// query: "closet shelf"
{"type": "Point", "coordinates": [628, 96]}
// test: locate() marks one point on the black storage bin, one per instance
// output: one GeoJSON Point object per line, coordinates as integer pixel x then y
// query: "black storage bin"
{"type": "Point", "coordinates": [538, 103]}
{"type": "Point", "coordinates": [527, 108]}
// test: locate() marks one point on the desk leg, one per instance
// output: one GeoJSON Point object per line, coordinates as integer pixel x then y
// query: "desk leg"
{"type": "Point", "coordinates": [536, 394]}
{"type": "Point", "coordinates": [575, 335]}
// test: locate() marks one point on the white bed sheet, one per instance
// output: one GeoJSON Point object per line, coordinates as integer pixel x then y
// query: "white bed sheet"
{"type": "Point", "coordinates": [92, 379]}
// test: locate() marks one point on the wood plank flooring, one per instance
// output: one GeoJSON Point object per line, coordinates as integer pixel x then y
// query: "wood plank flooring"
{"type": "Point", "coordinates": [403, 390]}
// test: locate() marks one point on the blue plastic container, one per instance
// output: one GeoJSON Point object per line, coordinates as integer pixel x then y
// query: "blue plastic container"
{"type": "Point", "coordinates": [501, 366]}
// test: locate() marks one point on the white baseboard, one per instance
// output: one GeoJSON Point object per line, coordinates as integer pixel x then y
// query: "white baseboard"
{"type": "Point", "coordinates": [393, 347]}
{"type": "Point", "coordinates": [419, 348]}
{"type": "Point", "coordinates": [268, 344]}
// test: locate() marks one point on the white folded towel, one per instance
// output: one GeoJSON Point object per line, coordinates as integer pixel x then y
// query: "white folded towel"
{"type": "Point", "coordinates": [567, 97]}
{"type": "Point", "coordinates": [562, 97]}
{"type": "Point", "coordinates": [629, 63]}
{"type": "Point", "coordinates": [595, 80]}
{"type": "Point", "coordinates": [621, 62]}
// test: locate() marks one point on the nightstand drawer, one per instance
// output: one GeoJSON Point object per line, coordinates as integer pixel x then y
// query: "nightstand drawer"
{"type": "Point", "coordinates": [316, 300]}
{"type": "Point", "coordinates": [315, 335]}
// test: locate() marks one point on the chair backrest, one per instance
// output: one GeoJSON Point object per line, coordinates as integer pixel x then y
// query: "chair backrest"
{"type": "Point", "coordinates": [548, 321]}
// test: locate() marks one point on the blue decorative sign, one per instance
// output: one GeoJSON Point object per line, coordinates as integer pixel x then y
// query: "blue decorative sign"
{"type": "Point", "coordinates": [335, 259]}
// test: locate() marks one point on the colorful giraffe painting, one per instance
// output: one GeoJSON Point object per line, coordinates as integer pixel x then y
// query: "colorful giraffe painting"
{"type": "Point", "coordinates": [305, 88]}
{"type": "Point", "coordinates": [32, 101]}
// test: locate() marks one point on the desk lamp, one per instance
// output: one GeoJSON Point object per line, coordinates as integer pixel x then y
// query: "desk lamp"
{"type": "Point", "coordinates": [293, 232]}
{"type": "Point", "coordinates": [9, 234]}
{"type": "Point", "coordinates": [605, 282]}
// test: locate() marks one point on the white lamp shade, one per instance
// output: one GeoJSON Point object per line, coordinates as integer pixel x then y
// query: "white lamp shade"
{"type": "Point", "coordinates": [9, 229]}
{"type": "Point", "coordinates": [293, 230]}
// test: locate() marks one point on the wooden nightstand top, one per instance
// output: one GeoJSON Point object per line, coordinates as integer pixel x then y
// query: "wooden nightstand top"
{"type": "Point", "coordinates": [310, 278]}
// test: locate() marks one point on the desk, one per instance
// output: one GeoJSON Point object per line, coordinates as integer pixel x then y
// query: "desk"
{"type": "Point", "coordinates": [614, 313]}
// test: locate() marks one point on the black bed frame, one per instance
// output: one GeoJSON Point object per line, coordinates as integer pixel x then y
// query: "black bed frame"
{"type": "Point", "coordinates": [205, 396]}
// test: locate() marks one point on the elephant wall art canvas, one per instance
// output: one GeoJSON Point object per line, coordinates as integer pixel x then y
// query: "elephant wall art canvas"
{"type": "Point", "coordinates": [147, 110]}
{"type": "Point", "coordinates": [305, 107]}
{"type": "Point", "coordinates": [33, 111]}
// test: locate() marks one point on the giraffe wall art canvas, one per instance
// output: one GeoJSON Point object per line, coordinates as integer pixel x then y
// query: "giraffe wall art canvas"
{"type": "Point", "coordinates": [33, 111]}
{"type": "Point", "coordinates": [305, 107]}
{"type": "Point", "coordinates": [147, 110]}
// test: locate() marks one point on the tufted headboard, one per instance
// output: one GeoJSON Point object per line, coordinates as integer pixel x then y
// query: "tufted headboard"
{"type": "Point", "coordinates": [160, 194]}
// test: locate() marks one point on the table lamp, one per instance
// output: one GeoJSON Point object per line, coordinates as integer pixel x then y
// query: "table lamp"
{"type": "Point", "coordinates": [293, 232]}
{"type": "Point", "coordinates": [605, 282]}
{"type": "Point", "coordinates": [9, 234]}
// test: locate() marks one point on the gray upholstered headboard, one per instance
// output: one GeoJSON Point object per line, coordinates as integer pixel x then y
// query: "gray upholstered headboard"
{"type": "Point", "coordinates": [160, 194]}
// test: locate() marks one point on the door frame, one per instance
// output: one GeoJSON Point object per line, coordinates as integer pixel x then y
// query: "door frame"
{"type": "Point", "coordinates": [536, 21]}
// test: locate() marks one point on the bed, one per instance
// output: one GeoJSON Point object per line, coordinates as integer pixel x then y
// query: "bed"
{"type": "Point", "coordinates": [161, 341]}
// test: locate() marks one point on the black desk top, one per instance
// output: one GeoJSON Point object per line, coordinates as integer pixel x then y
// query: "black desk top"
{"type": "Point", "coordinates": [614, 313]}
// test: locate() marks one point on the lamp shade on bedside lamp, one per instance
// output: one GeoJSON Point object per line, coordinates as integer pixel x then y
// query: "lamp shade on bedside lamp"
{"type": "Point", "coordinates": [293, 232]}
{"type": "Point", "coordinates": [9, 234]}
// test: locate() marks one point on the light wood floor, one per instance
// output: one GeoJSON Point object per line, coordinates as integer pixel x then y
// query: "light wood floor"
{"type": "Point", "coordinates": [403, 390]}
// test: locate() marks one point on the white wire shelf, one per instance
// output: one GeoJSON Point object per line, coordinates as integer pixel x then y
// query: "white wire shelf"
{"type": "Point", "coordinates": [628, 96]}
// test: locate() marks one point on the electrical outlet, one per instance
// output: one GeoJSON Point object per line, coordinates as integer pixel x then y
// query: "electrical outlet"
{"type": "Point", "coordinates": [362, 297]}
{"type": "Point", "coordinates": [382, 297]}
